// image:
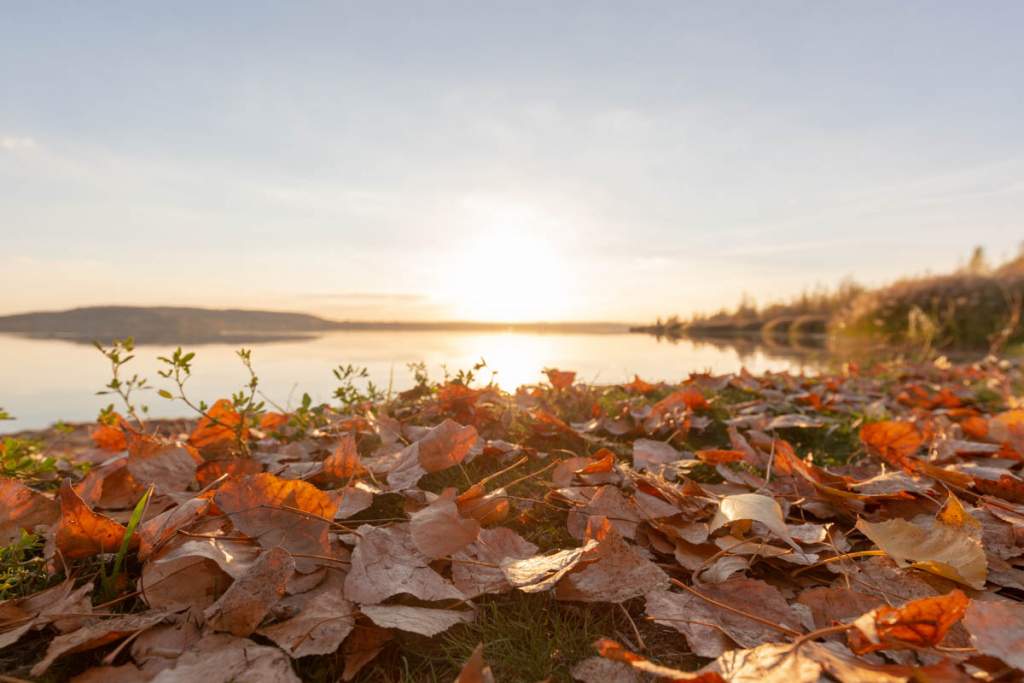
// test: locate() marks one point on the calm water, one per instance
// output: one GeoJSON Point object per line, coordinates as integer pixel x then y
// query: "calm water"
{"type": "Point", "coordinates": [42, 381]}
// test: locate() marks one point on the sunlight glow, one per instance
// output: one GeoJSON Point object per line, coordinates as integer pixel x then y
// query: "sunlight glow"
{"type": "Point", "coordinates": [511, 271]}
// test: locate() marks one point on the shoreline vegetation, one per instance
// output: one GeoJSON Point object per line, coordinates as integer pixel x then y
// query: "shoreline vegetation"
{"type": "Point", "coordinates": [712, 528]}
{"type": "Point", "coordinates": [976, 308]}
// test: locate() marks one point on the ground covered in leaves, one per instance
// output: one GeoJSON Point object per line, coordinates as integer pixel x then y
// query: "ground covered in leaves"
{"type": "Point", "coordinates": [861, 526]}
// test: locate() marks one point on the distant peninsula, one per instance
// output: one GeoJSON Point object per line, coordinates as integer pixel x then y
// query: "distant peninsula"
{"type": "Point", "coordinates": [184, 325]}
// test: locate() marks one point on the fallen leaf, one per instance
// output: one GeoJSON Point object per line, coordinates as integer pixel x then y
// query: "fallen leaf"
{"type": "Point", "coordinates": [81, 532]}
{"type": "Point", "coordinates": [322, 619]}
{"type": "Point", "coordinates": [294, 515]}
{"type": "Point", "coordinates": [755, 507]}
{"type": "Point", "coordinates": [362, 647]}
{"type": "Point", "coordinates": [21, 508]}
{"type": "Point", "coordinates": [918, 623]}
{"type": "Point", "coordinates": [939, 548]}
{"type": "Point", "coordinates": [601, 670]}
{"type": "Point", "coordinates": [219, 429]}
{"type": "Point", "coordinates": [892, 441]}
{"type": "Point", "coordinates": [475, 670]}
{"type": "Point", "coordinates": [96, 635]}
{"type": "Point", "coordinates": [244, 605]}
{"type": "Point", "coordinates": [609, 649]}
{"type": "Point", "coordinates": [438, 530]}
{"type": "Point", "coordinates": [560, 379]}
{"type": "Point", "coordinates": [386, 562]}
{"type": "Point", "coordinates": [611, 571]}
{"type": "Point", "coordinates": [168, 466]}
{"type": "Point", "coordinates": [476, 569]}
{"type": "Point", "coordinates": [539, 573]}
{"type": "Point", "coordinates": [425, 621]}
{"type": "Point", "coordinates": [224, 658]}
{"type": "Point", "coordinates": [997, 629]}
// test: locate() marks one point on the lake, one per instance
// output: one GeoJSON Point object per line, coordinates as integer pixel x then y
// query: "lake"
{"type": "Point", "coordinates": [45, 380]}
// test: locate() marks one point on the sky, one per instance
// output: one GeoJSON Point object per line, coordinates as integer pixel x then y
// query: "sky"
{"type": "Point", "coordinates": [500, 161]}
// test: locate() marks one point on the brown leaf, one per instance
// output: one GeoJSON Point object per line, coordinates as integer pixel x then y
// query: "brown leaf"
{"type": "Point", "coordinates": [160, 647]}
{"type": "Point", "coordinates": [168, 466]}
{"type": "Point", "coordinates": [426, 621]}
{"type": "Point", "coordinates": [612, 571]}
{"type": "Point", "coordinates": [212, 470]}
{"type": "Point", "coordinates": [601, 670]}
{"type": "Point", "coordinates": [446, 445]}
{"type": "Point", "coordinates": [997, 629]}
{"type": "Point", "coordinates": [21, 508]}
{"type": "Point", "coordinates": [81, 532]}
{"type": "Point", "coordinates": [294, 515]}
{"type": "Point", "coordinates": [438, 530]}
{"type": "Point", "coordinates": [539, 573]}
{"type": "Point", "coordinates": [653, 455]}
{"type": "Point", "coordinates": [362, 647]}
{"type": "Point", "coordinates": [717, 456]}
{"type": "Point", "coordinates": [476, 568]}
{"type": "Point", "coordinates": [754, 507]}
{"type": "Point", "coordinates": [892, 441]}
{"type": "Point", "coordinates": [321, 619]}
{"type": "Point", "coordinates": [223, 658]}
{"type": "Point", "coordinates": [918, 623]}
{"type": "Point", "coordinates": [126, 673]}
{"type": "Point", "coordinates": [244, 605]}
{"type": "Point", "coordinates": [110, 438]}
{"type": "Point", "coordinates": [387, 562]}
{"type": "Point", "coordinates": [18, 616]}
{"type": "Point", "coordinates": [189, 581]}
{"type": "Point", "coordinates": [96, 635]}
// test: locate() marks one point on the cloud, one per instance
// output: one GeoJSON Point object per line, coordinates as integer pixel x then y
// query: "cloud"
{"type": "Point", "coordinates": [12, 143]}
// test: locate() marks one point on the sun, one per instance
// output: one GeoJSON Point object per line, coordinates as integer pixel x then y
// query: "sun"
{"type": "Point", "coordinates": [509, 272]}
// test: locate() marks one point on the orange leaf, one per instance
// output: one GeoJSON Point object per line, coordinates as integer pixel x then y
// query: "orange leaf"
{"type": "Point", "coordinates": [609, 649]}
{"type": "Point", "coordinates": [918, 623]}
{"type": "Point", "coordinates": [892, 441]}
{"type": "Point", "coordinates": [638, 386]}
{"type": "Point", "coordinates": [716, 455]}
{"type": "Point", "coordinates": [109, 438]}
{"type": "Point", "coordinates": [22, 508]}
{"type": "Point", "coordinates": [560, 379]}
{"type": "Point", "coordinates": [82, 532]}
{"type": "Point", "coordinates": [604, 461]}
{"type": "Point", "coordinates": [271, 422]}
{"type": "Point", "coordinates": [343, 463]}
{"type": "Point", "coordinates": [1007, 487]}
{"type": "Point", "coordinates": [217, 429]}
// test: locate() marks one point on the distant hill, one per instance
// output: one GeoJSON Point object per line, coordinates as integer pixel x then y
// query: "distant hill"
{"type": "Point", "coordinates": [180, 325]}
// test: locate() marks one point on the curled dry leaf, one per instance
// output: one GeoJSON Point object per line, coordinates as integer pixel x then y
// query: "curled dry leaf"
{"type": "Point", "coordinates": [343, 462]}
{"type": "Point", "coordinates": [997, 629]}
{"type": "Point", "coordinates": [539, 573]}
{"type": "Point", "coordinates": [609, 649]}
{"type": "Point", "coordinates": [560, 379]}
{"type": "Point", "coordinates": [653, 455]}
{"type": "Point", "coordinates": [919, 623]}
{"type": "Point", "coordinates": [754, 507]}
{"type": "Point", "coordinates": [438, 530]}
{"type": "Point", "coordinates": [387, 562]}
{"type": "Point", "coordinates": [425, 621]}
{"type": "Point", "coordinates": [362, 647]}
{"type": "Point", "coordinates": [476, 569]}
{"type": "Point", "coordinates": [224, 658]}
{"type": "Point", "coordinates": [18, 616]}
{"type": "Point", "coordinates": [21, 508]}
{"type": "Point", "coordinates": [81, 532]}
{"type": "Point", "coordinates": [96, 635]}
{"type": "Point", "coordinates": [611, 571]}
{"type": "Point", "coordinates": [244, 605]}
{"type": "Point", "coordinates": [159, 529]}
{"type": "Point", "coordinates": [294, 515]}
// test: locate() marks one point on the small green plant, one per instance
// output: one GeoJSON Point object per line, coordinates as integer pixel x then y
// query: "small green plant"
{"type": "Point", "coordinates": [348, 392]}
{"type": "Point", "coordinates": [22, 567]}
{"type": "Point", "coordinates": [110, 583]}
{"type": "Point", "coordinates": [119, 354]}
{"type": "Point", "coordinates": [24, 459]}
{"type": "Point", "coordinates": [4, 415]}
{"type": "Point", "coordinates": [467, 377]}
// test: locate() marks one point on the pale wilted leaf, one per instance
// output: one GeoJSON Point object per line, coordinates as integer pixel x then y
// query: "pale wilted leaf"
{"type": "Point", "coordinates": [244, 605]}
{"type": "Point", "coordinates": [539, 573]}
{"type": "Point", "coordinates": [475, 670]}
{"type": "Point", "coordinates": [476, 569]}
{"type": "Point", "coordinates": [426, 621]}
{"type": "Point", "coordinates": [754, 507]}
{"type": "Point", "coordinates": [939, 548]}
